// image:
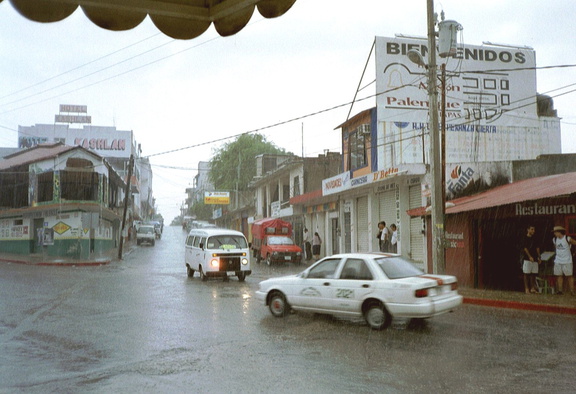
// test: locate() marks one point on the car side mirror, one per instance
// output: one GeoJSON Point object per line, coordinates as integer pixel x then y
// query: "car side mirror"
{"type": "Point", "coordinates": [304, 274]}
{"type": "Point", "coordinates": [201, 245]}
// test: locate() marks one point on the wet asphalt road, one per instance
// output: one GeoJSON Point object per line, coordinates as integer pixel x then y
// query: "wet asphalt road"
{"type": "Point", "coordinates": [140, 325]}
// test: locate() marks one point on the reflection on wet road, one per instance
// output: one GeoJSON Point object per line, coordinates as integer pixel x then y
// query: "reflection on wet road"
{"type": "Point", "coordinates": [141, 325]}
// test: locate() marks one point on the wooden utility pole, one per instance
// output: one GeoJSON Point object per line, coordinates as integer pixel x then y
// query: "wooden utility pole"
{"type": "Point", "coordinates": [437, 203]}
{"type": "Point", "coordinates": [126, 199]}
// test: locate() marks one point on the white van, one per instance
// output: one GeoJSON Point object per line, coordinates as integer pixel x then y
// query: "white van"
{"type": "Point", "coordinates": [216, 252]}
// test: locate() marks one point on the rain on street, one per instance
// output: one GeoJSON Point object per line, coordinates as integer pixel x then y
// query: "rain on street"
{"type": "Point", "coordinates": [141, 325]}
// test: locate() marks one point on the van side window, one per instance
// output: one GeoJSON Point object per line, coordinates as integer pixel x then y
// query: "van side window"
{"type": "Point", "coordinates": [189, 240]}
{"type": "Point", "coordinates": [196, 242]}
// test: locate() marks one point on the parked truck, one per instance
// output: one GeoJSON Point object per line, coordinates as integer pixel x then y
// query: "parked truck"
{"type": "Point", "coordinates": [272, 242]}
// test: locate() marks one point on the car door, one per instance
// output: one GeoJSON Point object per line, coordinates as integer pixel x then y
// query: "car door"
{"type": "Point", "coordinates": [355, 282]}
{"type": "Point", "coordinates": [312, 291]}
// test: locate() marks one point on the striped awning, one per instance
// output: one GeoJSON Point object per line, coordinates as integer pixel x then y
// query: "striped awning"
{"type": "Point", "coordinates": [180, 19]}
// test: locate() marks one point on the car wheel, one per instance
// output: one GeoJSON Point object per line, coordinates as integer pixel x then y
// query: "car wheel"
{"type": "Point", "coordinates": [189, 271]}
{"type": "Point", "coordinates": [203, 275]}
{"type": "Point", "coordinates": [153, 243]}
{"type": "Point", "coordinates": [268, 260]}
{"type": "Point", "coordinates": [278, 305]}
{"type": "Point", "coordinates": [258, 258]}
{"type": "Point", "coordinates": [377, 316]}
{"type": "Point", "coordinates": [241, 276]}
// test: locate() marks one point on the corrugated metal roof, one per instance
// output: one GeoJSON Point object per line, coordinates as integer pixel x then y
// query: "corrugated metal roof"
{"type": "Point", "coordinates": [37, 153]}
{"type": "Point", "coordinates": [525, 190]}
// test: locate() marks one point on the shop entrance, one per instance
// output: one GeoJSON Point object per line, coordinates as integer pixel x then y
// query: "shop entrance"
{"type": "Point", "coordinates": [500, 250]}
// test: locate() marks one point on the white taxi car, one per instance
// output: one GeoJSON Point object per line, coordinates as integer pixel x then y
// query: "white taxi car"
{"type": "Point", "coordinates": [377, 286]}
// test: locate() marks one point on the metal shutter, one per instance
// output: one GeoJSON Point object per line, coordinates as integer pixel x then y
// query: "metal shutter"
{"type": "Point", "coordinates": [387, 207]}
{"type": "Point", "coordinates": [416, 236]}
{"type": "Point", "coordinates": [363, 234]}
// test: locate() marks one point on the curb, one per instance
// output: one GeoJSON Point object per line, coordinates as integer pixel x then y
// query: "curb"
{"type": "Point", "coordinates": [520, 305]}
{"type": "Point", "coordinates": [58, 264]}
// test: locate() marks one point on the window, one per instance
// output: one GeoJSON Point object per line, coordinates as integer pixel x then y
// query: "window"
{"type": "Point", "coordinates": [356, 269]}
{"type": "Point", "coordinates": [46, 186]}
{"type": "Point", "coordinates": [325, 269]}
{"type": "Point", "coordinates": [357, 148]}
{"type": "Point", "coordinates": [296, 186]}
{"type": "Point", "coordinates": [190, 240]}
{"type": "Point", "coordinates": [196, 243]}
{"type": "Point", "coordinates": [79, 186]}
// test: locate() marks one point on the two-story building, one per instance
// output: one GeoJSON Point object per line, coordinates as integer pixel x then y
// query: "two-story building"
{"type": "Point", "coordinates": [60, 200]}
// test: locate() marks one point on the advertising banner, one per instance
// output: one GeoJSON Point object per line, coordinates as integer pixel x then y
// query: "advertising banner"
{"type": "Point", "coordinates": [491, 111]}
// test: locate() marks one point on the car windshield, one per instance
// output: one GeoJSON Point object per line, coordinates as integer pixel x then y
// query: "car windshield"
{"type": "Point", "coordinates": [226, 242]}
{"type": "Point", "coordinates": [280, 241]}
{"type": "Point", "coordinates": [397, 267]}
{"type": "Point", "coordinates": [146, 230]}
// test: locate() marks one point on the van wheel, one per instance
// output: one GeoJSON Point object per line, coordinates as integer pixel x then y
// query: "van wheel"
{"type": "Point", "coordinates": [189, 271]}
{"type": "Point", "coordinates": [203, 276]}
{"type": "Point", "coordinates": [268, 260]}
{"type": "Point", "coordinates": [241, 276]}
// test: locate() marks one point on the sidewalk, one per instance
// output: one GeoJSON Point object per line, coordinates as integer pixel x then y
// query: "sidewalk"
{"type": "Point", "coordinates": [518, 300]}
{"type": "Point", "coordinates": [565, 304]}
{"type": "Point", "coordinates": [45, 260]}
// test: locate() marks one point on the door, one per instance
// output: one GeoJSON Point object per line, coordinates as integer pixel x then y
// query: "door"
{"type": "Point", "coordinates": [353, 286]}
{"type": "Point", "coordinates": [38, 235]}
{"type": "Point", "coordinates": [335, 238]}
{"type": "Point", "coordinates": [363, 237]}
{"type": "Point", "coordinates": [314, 291]}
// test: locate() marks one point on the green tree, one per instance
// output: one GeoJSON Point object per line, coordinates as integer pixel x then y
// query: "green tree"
{"type": "Point", "coordinates": [234, 164]}
{"type": "Point", "coordinates": [201, 211]}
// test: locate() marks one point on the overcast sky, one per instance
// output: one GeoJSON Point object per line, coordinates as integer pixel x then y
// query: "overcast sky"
{"type": "Point", "coordinates": [177, 94]}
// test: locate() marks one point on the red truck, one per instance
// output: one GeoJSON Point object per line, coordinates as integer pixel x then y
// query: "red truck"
{"type": "Point", "coordinates": [272, 242]}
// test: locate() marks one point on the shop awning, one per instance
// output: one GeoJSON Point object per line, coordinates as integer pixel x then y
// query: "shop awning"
{"type": "Point", "coordinates": [526, 190]}
{"type": "Point", "coordinates": [181, 19]}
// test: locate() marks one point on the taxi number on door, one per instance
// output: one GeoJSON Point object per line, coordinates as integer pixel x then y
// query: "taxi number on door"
{"type": "Point", "coordinates": [344, 293]}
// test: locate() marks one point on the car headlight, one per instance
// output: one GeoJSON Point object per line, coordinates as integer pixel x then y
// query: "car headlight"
{"type": "Point", "coordinates": [244, 261]}
{"type": "Point", "coordinates": [214, 263]}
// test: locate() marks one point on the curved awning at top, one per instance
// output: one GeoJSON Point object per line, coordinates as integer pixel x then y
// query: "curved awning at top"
{"type": "Point", "coordinates": [180, 19]}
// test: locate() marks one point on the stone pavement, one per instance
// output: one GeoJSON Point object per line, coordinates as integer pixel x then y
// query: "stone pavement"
{"type": "Point", "coordinates": [565, 304]}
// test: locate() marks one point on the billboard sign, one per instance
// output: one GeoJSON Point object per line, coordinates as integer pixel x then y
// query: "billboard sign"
{"type": "Point", "coordinates": [491, 111]}
{"type": "Point", "coordinates": [216, 197]}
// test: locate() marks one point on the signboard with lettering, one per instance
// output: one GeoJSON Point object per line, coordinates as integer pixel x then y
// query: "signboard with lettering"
{"type": "Point", "coordinates": [216, 197]}
{"type": "Point", "coordinates": [490, 105]}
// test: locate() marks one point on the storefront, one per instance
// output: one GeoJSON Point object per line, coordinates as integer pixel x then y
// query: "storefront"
{"type": "Point", "coordinates": [485, 232]}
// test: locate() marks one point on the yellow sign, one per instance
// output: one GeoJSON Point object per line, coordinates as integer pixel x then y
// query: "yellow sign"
{"type": "Point", "coordinates": [61, 227]}
{"type": "Point", "coordinates": [217, 198]}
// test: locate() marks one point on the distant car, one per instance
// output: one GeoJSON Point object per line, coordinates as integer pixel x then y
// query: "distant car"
{"type": "Point", "coordinates": [376, 286]}
{"type": "Point", "coordinates": [146, 234]}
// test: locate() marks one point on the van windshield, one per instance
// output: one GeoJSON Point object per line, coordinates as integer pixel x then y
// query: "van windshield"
{"type": "Point", "coordinates": [227, 242]}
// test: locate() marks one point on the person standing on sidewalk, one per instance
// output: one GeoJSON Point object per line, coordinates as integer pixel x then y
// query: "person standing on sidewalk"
{"type": "Point", "coordinates": [316, 242]}
{"type": "Point", "coordinates": [394, 238]}
{"type": "Point", "coordinates": [531, 261]}
{"type": "Point", "coordinates": [307, 244]}
{"type": "Point", "coordinates": [563, 265]}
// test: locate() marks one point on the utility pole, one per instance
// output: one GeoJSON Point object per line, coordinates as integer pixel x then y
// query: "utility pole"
{"type": "Point", "coordinates": [437, 203]}
{"type": "Point", "coordinates": [126, 197]}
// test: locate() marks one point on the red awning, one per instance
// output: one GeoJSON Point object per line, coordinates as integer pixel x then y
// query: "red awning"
{"type": "Point", "coordinates": [181, 19]}
{"type": "Point", "coordinates": [526, 190]}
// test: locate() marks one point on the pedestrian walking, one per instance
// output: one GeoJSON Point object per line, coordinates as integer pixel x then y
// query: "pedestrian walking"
{"type": "Point", "coordinates": [531, 260]}
{"type": "Point", "coordinates": [563, 266]}
{"type": "Point", "coordinates": [316, 243]}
